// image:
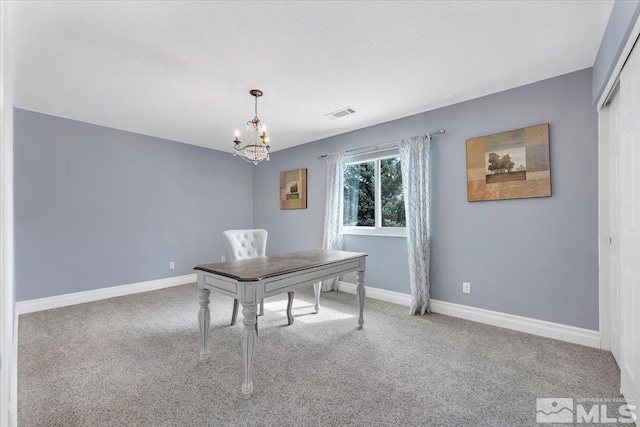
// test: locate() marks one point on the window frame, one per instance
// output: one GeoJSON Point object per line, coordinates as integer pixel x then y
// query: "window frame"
{"type": "Point", "coordinates": [378, 230]}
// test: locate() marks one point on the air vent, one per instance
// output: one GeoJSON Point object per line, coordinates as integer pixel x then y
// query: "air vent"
{"type": "Point", "coordinates": [341, 113]}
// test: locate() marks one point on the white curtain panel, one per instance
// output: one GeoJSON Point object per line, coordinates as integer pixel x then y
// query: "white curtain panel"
{"type": "Point", "coordinates": [414, 161]}
{"type": "Point", "coordinates": [333, 213]}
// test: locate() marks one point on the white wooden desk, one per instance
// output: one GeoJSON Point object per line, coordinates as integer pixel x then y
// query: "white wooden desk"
{"type": "Point", "coordinates": [252, 280]}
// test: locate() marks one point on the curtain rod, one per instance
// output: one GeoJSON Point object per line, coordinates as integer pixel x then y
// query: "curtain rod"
{"type": "Point", "coordinates": [395, 141]}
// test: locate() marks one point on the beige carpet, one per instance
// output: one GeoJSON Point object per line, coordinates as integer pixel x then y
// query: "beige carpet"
{"type": "Point", "coordinates": [134, 361]}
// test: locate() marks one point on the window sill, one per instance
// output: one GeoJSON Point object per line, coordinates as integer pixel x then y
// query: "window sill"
{"type": "Point", "coordinates": [375, 232]}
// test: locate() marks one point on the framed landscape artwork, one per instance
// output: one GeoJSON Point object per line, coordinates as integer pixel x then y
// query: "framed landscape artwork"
{"type": "Point", "coordinates": [509, 165]}
{"type": "Point", "coordinates": [293, 189]}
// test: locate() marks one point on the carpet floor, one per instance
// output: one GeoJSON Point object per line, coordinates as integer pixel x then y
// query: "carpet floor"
{"type": "Point", "coordinates": [133, 360]}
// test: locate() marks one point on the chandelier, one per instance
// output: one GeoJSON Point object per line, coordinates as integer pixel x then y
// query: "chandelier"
{"type": "Point", "coordinates": [257, 149]}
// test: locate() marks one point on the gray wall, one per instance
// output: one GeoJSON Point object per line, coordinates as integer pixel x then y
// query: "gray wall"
{"type": "Point", "coordinates": [623, 17]}
{"type": "Point", "coordinates": [532, 257]}
{"type": "Point", "coordinates": [98, 207]}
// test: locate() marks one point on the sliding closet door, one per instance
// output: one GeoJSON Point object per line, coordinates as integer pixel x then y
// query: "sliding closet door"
{"type": "Point", "coordinates": [614, 224]}
{"type": "Point", "coordinates": [630, 226]}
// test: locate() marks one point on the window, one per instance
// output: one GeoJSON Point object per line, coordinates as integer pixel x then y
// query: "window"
{"type": "Point", "coordinates": [373, 199]}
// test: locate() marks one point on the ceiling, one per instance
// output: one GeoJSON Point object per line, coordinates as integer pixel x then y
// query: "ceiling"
{"type": "Point", "coordinates": [183, 70]}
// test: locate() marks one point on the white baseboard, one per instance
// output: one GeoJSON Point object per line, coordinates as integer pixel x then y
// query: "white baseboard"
{"type": "Point", "coordinates": [30, 306]}
{"type": "Point", "coordinates": [542, 328]}
{"type": "Point", "coordinates": [377, 293]}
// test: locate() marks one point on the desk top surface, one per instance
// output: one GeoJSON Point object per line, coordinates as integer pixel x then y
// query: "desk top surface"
{"type": "Point", "coordinates": [253, 269]}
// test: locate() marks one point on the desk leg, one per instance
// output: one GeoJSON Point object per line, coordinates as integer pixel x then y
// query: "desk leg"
{"type": "Point", "coordinates": [289, 307]}
{"type": "Point", "coordinates": [248, 347]}
{"type": "Point", "coordinates": [317, 287]}
{"type": "Point", "coordinates": [234, 313]}
{"type": "Point", "coordinates": [360, 293]}
{"type": "Point", "coordinates": [204, 318]}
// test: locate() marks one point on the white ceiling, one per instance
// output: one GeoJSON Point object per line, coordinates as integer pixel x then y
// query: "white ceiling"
{"type": "Point", "coordinates": [182, 70]}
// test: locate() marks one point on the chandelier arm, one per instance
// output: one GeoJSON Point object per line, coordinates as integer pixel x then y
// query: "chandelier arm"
{"type": "Point", "coordinates": [238, 148]}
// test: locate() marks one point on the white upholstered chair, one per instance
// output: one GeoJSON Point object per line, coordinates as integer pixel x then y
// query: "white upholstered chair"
{"type": "Point", "coordinates": [245, 244]}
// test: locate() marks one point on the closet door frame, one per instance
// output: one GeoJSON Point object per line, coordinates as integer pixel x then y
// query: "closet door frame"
{"type": "Point", "coordinates": [603, 191]}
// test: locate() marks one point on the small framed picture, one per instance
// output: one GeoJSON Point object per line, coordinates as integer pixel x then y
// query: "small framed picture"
{"type": "Point", "coordinates": [293, 189]}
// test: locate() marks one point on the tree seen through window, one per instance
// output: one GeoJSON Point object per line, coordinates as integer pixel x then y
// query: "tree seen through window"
{"type": "Point", "coordinates": [392, 198]}
{"type": "Point", "coordinates": [360, 199]}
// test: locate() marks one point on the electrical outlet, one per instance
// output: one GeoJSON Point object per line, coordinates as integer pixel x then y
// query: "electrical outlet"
{"type": "Point", "coordinates": [466, 287]}
{"type": "Point", "coordinates": [172, 265]}
{"type": "Point", "coordinates": [222, 259]}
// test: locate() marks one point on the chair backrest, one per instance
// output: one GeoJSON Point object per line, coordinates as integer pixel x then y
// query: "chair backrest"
{"type": "Point", "coordinates": [243, 244]}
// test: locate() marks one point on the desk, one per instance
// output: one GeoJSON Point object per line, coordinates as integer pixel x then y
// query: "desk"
{"type": "Point", "coordinates": [252, 280]}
